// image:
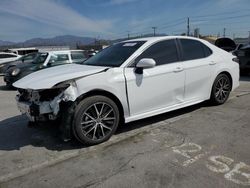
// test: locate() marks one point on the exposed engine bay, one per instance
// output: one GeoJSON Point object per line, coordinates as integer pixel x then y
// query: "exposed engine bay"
{"type": "Point", "coordinates": [42, 105]}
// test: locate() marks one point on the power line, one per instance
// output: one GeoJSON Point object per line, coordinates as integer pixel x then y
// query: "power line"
{"type": "Point", "coordinates": [226, 18]}
{"type": "Point", "coordinates": [218, 14]}
{"type": "Point", "coordinates": [180, 21]}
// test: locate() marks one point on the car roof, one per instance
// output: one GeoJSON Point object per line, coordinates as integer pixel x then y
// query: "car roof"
{"type": "Point", "coordinates": [17, 49]}
{"type": "Point", "coordinates": [61, 51]}
{"type": "Point", "coordinates": [155, 39]}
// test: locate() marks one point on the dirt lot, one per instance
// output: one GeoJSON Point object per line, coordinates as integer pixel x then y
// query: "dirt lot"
{"type": "Point", "coordinates": [199, 146]}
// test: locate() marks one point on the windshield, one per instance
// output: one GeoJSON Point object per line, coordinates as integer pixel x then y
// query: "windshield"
{"type": "Point", "coordinates": [28, 57]}
{"type": "Point", "coordinates": [114, 55]}
{"type": "Point", "coordinates": [40, 58]}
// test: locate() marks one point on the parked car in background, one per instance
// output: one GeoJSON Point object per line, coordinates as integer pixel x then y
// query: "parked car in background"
{"type": "Point", "coordinates": [128, 81]}
{"type": "Point", "coordinates": [226, 44]}
{"type": "Point", "coordinates": [22, 51]}
{"type": "Point", "coordinates": [23, 59]}
{"type": "Point", "coordinates": [92, 52]}
{"type": "Point", "coordinates": [243, 55]}
{"type": "Point", "coordinates": [7, 57]}
{"type": "Point", "coordinates": [41, 61]}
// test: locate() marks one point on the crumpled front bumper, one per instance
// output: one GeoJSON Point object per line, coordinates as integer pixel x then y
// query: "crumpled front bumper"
{"type": "Point", "coordinates": [40, 111]}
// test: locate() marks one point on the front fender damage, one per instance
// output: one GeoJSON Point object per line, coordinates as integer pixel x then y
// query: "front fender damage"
{"type": "Point", "coordinates": [52, 107]}
{"type": "Point", "coordinates": [55, 103]}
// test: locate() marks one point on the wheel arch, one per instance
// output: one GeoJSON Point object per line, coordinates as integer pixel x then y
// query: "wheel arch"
{"type": "Point", "coordinates": [106, 94]}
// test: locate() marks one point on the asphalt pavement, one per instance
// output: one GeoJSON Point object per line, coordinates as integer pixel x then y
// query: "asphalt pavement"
{"type": "Point", "coordinates": [198, 146]}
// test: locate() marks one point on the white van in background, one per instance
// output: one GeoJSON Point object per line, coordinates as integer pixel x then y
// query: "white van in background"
{"type": "Point", "coordinates": [22, 51]}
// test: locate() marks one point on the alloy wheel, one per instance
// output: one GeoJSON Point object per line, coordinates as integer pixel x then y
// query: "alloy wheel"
{"type": "Point", "coordinates": [98, 121]}
{"type": "Point", "coordinates": [222, 89]}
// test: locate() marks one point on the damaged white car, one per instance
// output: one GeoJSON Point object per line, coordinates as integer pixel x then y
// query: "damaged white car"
{"type": "Point", "coordinates": [128, 81]}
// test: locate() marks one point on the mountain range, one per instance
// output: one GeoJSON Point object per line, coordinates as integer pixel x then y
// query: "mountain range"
{"type": "Point", "coordinates": [64, 40]}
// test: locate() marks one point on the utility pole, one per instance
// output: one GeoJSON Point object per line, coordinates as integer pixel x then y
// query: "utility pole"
{"type": "Point", "coordinates": [128, 34]}
{"type": "Point", "coordinates": [188, 27]}
{"type": "Point", "coordinates": [249, 37]}
{"type": "Point", "coordinates": [154, 28]}
{"type": "Point", "coordinates": [224, 32]}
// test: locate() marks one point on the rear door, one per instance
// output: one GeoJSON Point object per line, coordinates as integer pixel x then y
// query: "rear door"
{"type": "Point", "coordinates": [158, 87]}
{"type": "Point", "coordinates": [199, 65]}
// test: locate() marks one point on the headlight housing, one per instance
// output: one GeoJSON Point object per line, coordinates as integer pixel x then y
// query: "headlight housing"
{"type": "Point", "coordinates": [15, 71]}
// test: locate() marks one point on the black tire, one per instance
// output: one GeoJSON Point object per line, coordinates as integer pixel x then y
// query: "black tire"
{"type": "Point", "coordinates": [221, 89]}
{"type": "Point", "coordinates": [91, 128]}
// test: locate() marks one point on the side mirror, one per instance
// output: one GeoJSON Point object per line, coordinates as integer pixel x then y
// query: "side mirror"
{"type": "Point", "coordinates": [144, 64]}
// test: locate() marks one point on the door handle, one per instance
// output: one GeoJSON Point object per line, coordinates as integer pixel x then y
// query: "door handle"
{"type": "Point", "coordinates": [212, 63]}
{"type": "Point", "coordinates": [178, 69]}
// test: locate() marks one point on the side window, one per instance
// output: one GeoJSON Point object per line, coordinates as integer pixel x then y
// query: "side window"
{"type": "Point", "coordinates": [57, 59]}
{"type": "Point", "coordinates": [163, 52]}
{"type": "Point", "coordinates": [192, 49]}
{"type": "Point", "coordinates": [207, 50]}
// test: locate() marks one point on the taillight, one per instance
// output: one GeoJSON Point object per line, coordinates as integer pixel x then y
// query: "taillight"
{"type": "Point", "coordinates": [235, 59]}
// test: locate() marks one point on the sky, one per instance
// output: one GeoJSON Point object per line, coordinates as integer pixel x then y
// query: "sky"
{"type": "Point", "coordinates": [111, 19]}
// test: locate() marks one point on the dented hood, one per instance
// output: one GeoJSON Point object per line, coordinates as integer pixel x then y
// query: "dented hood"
{"type": "Point", "coordinates": [47, 78]}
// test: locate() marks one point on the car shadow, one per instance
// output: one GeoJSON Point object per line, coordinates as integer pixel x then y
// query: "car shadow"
{"type": "Point", "coordinates": [7, 88]}
{"type": "Point", "coordinates": [4, 87]}
{"type": "Point", "coordinates": [158, 118]}
{"type": "Point", "coordinates": [245, 78]}
{"type": "Point", "coordinates": [15, 132]}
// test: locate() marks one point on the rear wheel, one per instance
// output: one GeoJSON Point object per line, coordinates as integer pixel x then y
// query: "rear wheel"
{"type": "Point", "coordinates": [96, 119]}
{"type": "Point", "coordinates": [221, 89]}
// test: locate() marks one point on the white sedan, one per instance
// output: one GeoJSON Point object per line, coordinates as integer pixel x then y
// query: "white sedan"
{"type": "Point", "coordinates": [128, 81]}
{"type": "Point", "coordinates": [7, 57]}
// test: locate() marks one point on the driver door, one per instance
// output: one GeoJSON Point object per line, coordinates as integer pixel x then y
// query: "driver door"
{"type": "Point", "coordinates": [158, 87]}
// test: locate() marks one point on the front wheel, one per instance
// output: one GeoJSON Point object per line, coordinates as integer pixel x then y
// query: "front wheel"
{"type": "Point", "coordinates": [221, 89]}
{"type": "Point", "coordinates": [96, 119]}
